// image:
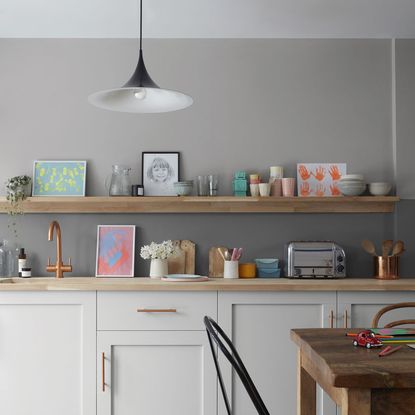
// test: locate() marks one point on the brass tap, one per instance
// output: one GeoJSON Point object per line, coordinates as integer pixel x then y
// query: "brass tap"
{"type": "Point", "coordinates": [59, 268]}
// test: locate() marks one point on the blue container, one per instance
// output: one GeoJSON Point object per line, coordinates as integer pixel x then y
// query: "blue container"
{"type": "Point", "coordinates": [267, 263]}
{"type": "Point", "coordinates": [268, 273]}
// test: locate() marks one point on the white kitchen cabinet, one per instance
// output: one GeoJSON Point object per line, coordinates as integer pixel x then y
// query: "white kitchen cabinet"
{"type": "Point", "coordinates": [259, 325]}
{"type": "Point", "coordinates": [357, 309]}
{"type": "Point", "coordinates": [154, 373]}
{"type": "Point", "coordinates": [153, 353]}
{"type": "Point", "coordinates": [47, 353]}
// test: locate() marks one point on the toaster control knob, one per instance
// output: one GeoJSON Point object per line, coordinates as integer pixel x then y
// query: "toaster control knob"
{"type": "Point", "coordinates": [340, 258]}
{"type": "Point", "coordinates": [340, 268]}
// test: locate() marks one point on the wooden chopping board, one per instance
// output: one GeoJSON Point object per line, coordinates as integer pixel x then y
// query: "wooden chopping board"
{"type": "Point", "coordinates": [184, 262]}
{"type": "Point", "coordinates": [216, 262]}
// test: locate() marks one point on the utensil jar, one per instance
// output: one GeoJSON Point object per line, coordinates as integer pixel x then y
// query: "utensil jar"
{"type": "Point", "coordinates": [231, 269]}
{"type": "Point", "coordinates": [386, 268]}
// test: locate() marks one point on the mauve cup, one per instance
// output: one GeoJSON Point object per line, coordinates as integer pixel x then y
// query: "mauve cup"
{"type": "Point", "coordinates": [288, 187]}
{"type": "Point", "coordinates": [276, 187]}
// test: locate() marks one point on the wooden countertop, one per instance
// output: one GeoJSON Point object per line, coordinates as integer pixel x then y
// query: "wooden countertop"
{"type": "Point", "coordinates": [218, 284]}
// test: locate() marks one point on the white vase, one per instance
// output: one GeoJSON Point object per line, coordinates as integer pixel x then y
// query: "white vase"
{"type": "Point", "coordinates": [158, 268]}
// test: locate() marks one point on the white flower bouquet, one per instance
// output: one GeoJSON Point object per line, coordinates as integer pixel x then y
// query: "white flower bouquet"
{"type": "Point", "coordinates": [159, 251]}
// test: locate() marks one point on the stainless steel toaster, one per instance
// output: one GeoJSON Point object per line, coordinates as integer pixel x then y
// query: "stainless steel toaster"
{"type": "Point", "coordinates": [315, 259]}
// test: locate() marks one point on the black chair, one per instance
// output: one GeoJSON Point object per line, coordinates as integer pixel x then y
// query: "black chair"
{"type": "Point", "coordinates": [218, 336]}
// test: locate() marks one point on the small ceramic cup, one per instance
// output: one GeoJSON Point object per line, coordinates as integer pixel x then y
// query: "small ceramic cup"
{"type": "Point", "coordinates": [275, 187]}
{"type": "Point", "coordinates": [247, 270]}
{"type": "Point", "coordinates": [254, 178]}
{"type": "Point", "coordinates": [276, 172]}
{"type": "Point", "coordinates": [264, 189]}
{"type": "Point", "coordinates": [231, 269]}
{"type": "Point", "coordinates": [288, 187]}
{"type": "Point", "coordinates": [254, 188]}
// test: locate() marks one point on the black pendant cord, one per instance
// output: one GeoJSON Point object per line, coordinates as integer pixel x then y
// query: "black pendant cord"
{"type": "Point", "coordinates": [141, 25]}
{"type": "Point", "coordinates": [140, 77]}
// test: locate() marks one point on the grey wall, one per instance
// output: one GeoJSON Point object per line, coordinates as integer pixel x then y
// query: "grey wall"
{"type": "Point", "coordinates": [257, 103]}
{"type": "Point", "coordinates": [405, 147]}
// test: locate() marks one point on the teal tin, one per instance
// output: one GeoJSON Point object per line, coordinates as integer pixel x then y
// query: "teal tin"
{"type": "Point", "coordinates": [268, 273]}
{"type": "Point", "coordinates": [267, 263]}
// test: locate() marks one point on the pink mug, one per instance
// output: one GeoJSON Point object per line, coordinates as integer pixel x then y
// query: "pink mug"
{"type": "Point", "coordinates": [288, 187]}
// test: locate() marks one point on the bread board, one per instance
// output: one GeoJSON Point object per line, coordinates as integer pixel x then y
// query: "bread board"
{"type": "Point", "coordinates": [184, 262]}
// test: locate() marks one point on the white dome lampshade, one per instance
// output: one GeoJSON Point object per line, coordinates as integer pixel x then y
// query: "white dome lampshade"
{"type": "Point", "coordinates": [140, 94]}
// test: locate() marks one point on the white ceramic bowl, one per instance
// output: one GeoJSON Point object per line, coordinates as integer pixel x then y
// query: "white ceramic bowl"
{"type": "Point", "coordinates": [352, 177]}
{"type": "Point", "coordinates": [352, 189]}
{"type": "Point", "coordinates": [380, 188]}
{"type": "Point", "coordinates": [183, 188]}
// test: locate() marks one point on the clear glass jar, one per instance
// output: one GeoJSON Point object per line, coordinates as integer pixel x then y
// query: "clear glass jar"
{"type": "Point", "coordinates": [120, 183]}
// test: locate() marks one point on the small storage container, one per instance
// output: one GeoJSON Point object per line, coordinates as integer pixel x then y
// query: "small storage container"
{"type": "Point", "coordinates": [269, 273]}
{"type": "Point", "coordinates": [267, 263]}
{"type": "Point", "coordinates": [247, 270]}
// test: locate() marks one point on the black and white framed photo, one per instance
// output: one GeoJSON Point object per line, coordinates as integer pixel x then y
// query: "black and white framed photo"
{"type": "Point", "coordinates": [160, 170]}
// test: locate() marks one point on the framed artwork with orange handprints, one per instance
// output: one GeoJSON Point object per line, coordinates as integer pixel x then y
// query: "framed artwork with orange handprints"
{"type": "Point", "coordinates": [115, 251]}
{"type": "Point", "coordinates": [319, 179]}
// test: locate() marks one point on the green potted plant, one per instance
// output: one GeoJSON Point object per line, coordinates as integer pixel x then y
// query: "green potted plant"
{"type": "Point", "coordinates": [18, 189]}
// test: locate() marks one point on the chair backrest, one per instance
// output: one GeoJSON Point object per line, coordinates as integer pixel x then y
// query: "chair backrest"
{"type": "Point", "coordinates": [217, 336]}
{"type": "Point", "coordinates": [388, 308]}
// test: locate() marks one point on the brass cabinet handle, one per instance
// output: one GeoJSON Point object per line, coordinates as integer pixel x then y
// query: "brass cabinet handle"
{"type": "Point", "coordinates": [331, 319]}
{"type": "Point", "coordinates": [103, 372]}
{"type": "Point", "coordinates": [156, 310]}
{"type": "Point", "coordinates": [345, 317]}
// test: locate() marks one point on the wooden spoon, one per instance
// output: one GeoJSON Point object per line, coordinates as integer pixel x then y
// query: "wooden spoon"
{"type": "Point", "coordinates": [398, 248]}
{"type": "Point", "coordinates": [369, 247]}
{"type": "Point", "coordinates": [386, 247]}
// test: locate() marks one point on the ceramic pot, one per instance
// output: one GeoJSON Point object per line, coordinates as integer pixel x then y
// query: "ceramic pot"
{"type": "Point", "coordinates": [158, 268]}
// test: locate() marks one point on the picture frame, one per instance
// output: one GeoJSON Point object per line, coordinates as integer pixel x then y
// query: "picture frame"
{"type": "Point", "coordinates": [115, 251]}
{"type": "Point", "coordinates": [59, 178]}
{"type": "Point", "coordinates": [319, 179]}
{"type": "Point", "coordinates": [160, 169]}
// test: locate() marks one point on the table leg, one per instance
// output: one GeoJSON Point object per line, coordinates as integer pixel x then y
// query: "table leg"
{"type": "Point", "coordinates": [356, 402]}
{"type": "Point", "coordinates": [306, 391]}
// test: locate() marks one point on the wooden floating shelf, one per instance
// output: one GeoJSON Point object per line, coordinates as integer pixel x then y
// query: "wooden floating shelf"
{"type": "Point", "coordinates": [217, 204]}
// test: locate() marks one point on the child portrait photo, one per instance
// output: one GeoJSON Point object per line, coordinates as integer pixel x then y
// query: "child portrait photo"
{"type": "Point", "coordinates": [160, 170]}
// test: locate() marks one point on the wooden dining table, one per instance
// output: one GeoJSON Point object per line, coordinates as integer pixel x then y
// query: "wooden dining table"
{"type": "Point", "coordinates": [356, 378]}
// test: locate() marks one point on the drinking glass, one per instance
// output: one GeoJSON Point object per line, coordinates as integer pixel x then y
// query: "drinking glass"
{"type": "Point", "coordinates": [213, 185]}
{"type": "Point", "coordinates": [202, 185]}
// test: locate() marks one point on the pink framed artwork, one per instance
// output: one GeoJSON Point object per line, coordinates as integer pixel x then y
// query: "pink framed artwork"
{"type": "Point", "coordinates": [115, 251]}
{"type": "Point", "coordinates": [319, 179]}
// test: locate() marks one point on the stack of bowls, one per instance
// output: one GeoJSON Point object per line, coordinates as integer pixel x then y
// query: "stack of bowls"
{"type": "Point", "coordinates": [183, 188]}
{"type": "Point", "coordinates": [352, 185]}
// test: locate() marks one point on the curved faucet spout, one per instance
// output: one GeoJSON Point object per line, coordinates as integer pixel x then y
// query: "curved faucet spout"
{"type": "Point", "coordinates": [52, 226]}
{"type": "Point", "coordinates": [59, 268]}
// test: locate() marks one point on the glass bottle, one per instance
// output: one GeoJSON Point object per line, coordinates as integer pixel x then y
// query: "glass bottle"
{"type": "Point", "coordinates": [11, 257]}
{"type": "Point", "coordinates": [3, 271]}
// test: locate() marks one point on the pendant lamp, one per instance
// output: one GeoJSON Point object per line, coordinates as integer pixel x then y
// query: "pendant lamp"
{"type": "Point", "coordinates": [140, 94]}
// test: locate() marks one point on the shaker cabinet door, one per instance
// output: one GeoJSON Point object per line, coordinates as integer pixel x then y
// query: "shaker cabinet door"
{"type": "Point", "coordinates": [155, 373]}
{"type": "Point", "coordinates": [357, 309]}
{"type": "Point", "coordinates": [259, 325]}
{"type": "Point", "coordinates": [47, 353]}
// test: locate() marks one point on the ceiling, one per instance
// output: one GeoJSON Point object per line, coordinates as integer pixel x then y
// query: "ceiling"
{"type": "Point", "coordinates": [209, 18]}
